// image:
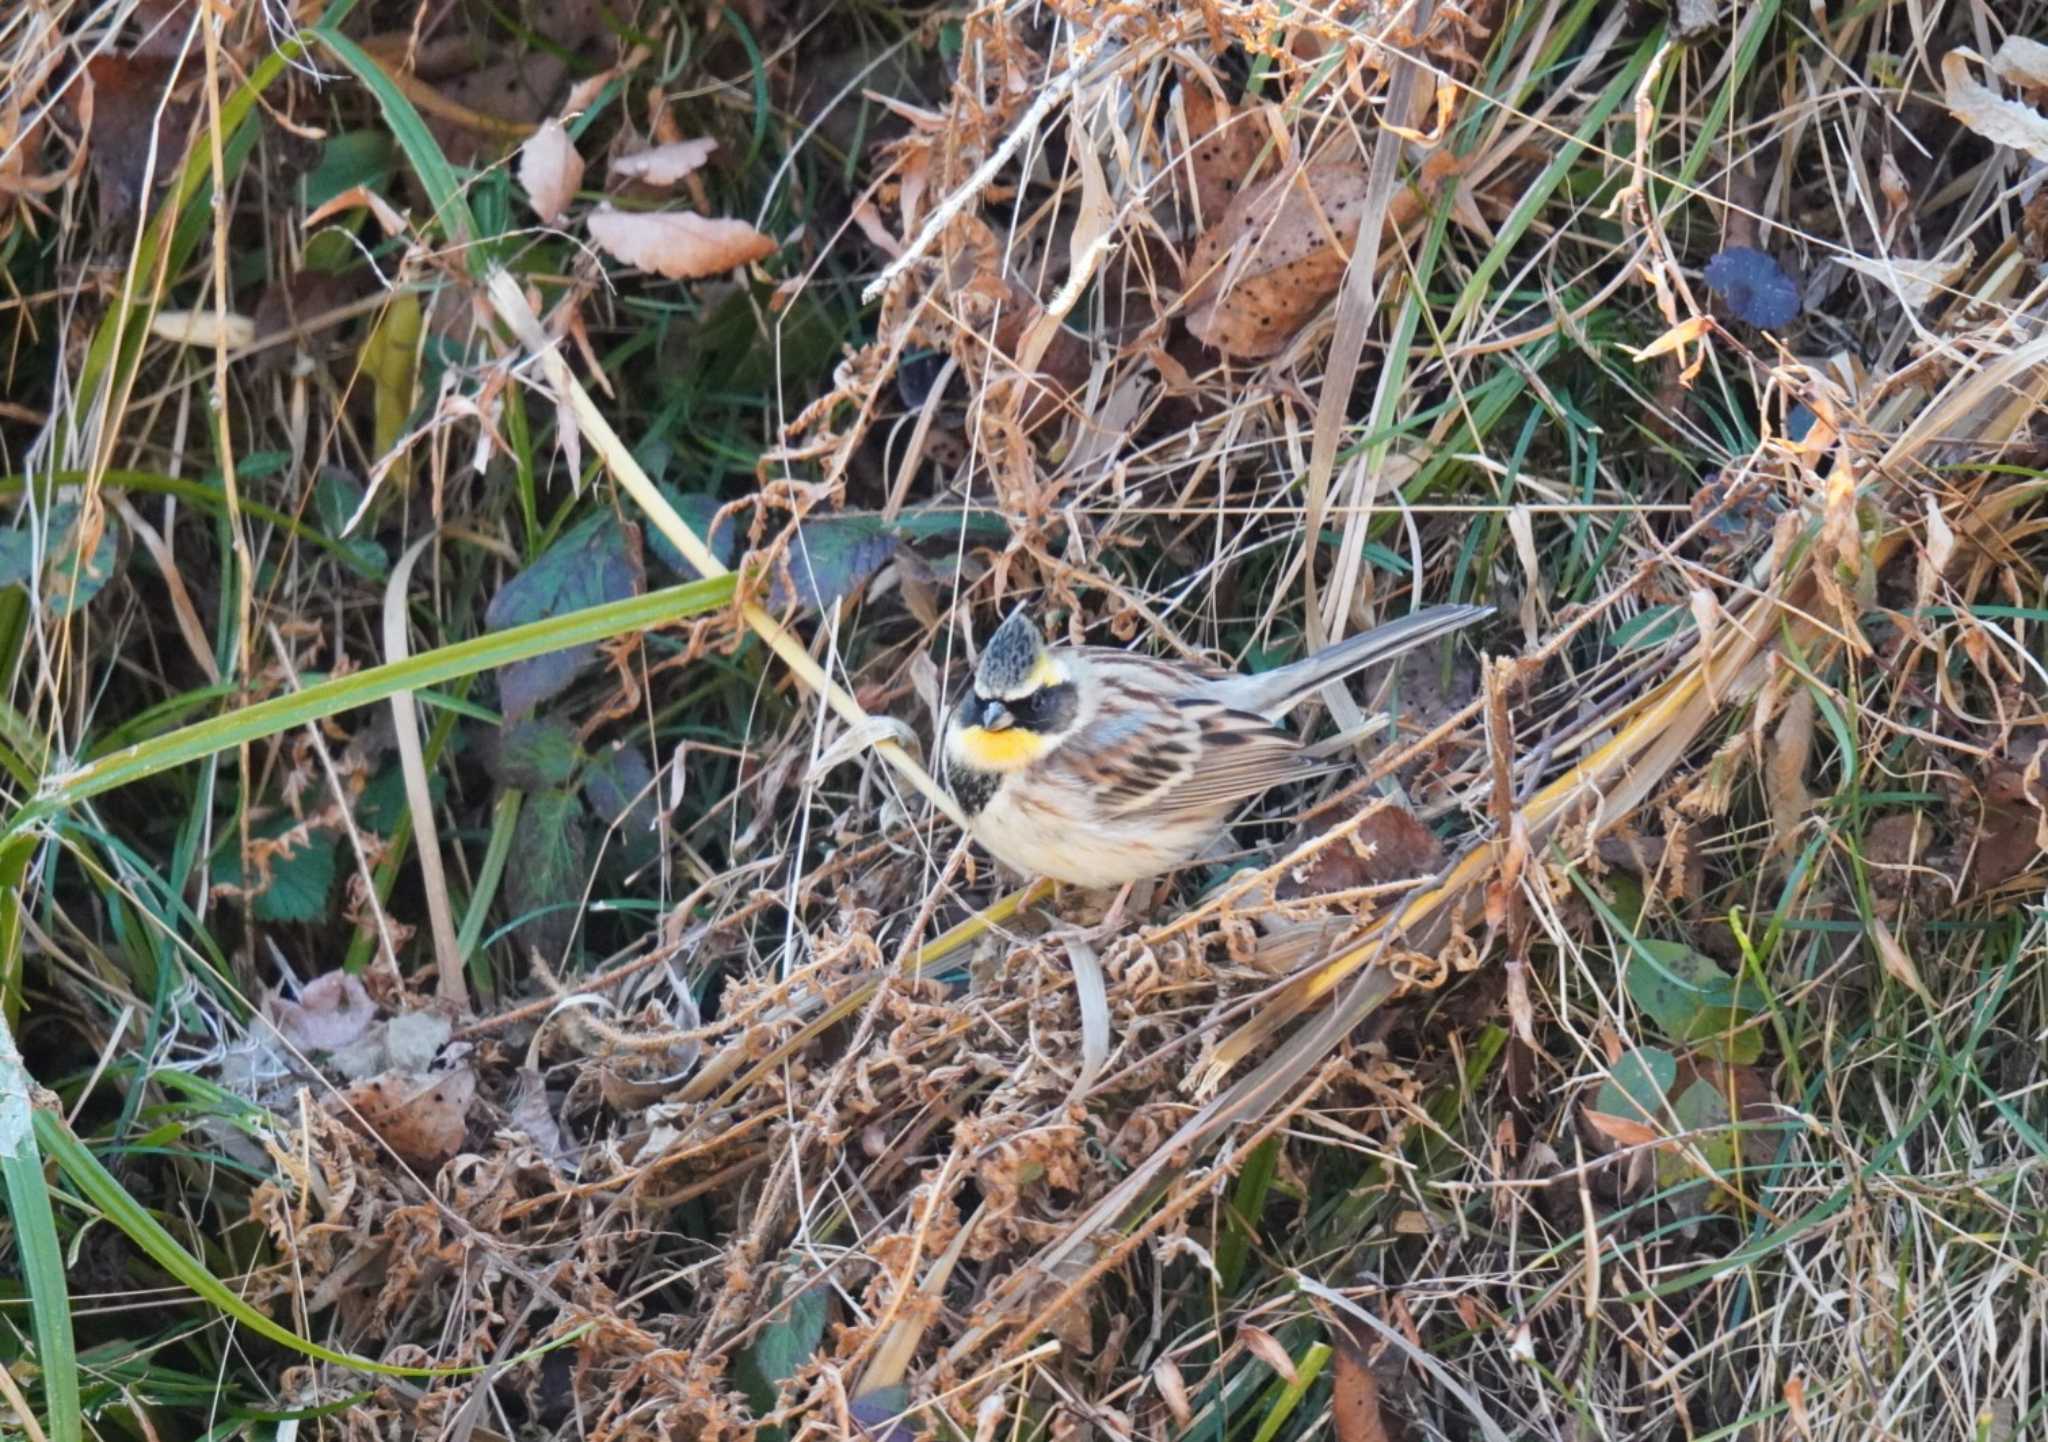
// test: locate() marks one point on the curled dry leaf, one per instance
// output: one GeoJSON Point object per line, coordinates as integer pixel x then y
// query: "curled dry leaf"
{"type": "Point", "coordinates": [1785, 772]}
{"type": "Point", "coordinates": [583, 94]}
{"type": "Point", "coordinates": [1896, 960]}
{"type": "Point", "coordinates": [870, 222]}
{"type": "Point", "coordinates": [22, 128]}
{"type": "Point", "coordinates": [551, 170]}
{"type": "Point", "coordinates": [1620, 1131]}
{"type": "Point", "coordinates": [331, 1012]}
{"type": "Point", "coordinates": [1628, 1109]}
{"type": "Point", "coordinates": [356, 195]}
{"type": "Point", "coordinates": [664, 164]}
{"type": "Point", "coordinates": [1354, 1391]}
{"type": "Point", "coordinates": [1173, 1391]}
{"type": "Point", "coordinates": [1266, 1347]}
{"type": "Point", "coordinates": [678, 244]}
{"type": "Point", "coordinates": [207, 329]}
{"type": "Point", "coordinates": [1276, 256]}
{"type": "Point", "coordinates": [531, 1113]}
{"type": "Point", "coordinates": [1934, 559]}
{"type": "Point", "coordinates": [1521, 1010]}
{"type": "Point", "coordinates": [422, 1118]}
{"type": "Point", "coordinates": [2000, 121]}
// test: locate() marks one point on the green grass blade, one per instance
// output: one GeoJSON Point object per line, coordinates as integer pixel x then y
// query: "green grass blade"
{"type": "Point", "coordinates": [15, 852]}
{"type": "Point", "coordinates": [36, 1241]}
{"type": "Point", "coordinates": [1532, 200]}
{"type": "Point", "coordinates": [1288, 1395]}
{"type": "Point", "coordinates": [504, 823]}
{"type": "Point", "coordinates": [451, 211]}
{"type": "Point", "coordinates": [378, 683]}
{"type": "Point", "coordinates": [1247, 1205]}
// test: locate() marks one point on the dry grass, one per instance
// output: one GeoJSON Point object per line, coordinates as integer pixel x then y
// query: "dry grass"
{"type": "Point", "coordinates": [788, 1110]}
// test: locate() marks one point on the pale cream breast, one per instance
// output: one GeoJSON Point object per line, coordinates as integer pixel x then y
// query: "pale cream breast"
{"type": "Point", "coordinates": [1041, 837]}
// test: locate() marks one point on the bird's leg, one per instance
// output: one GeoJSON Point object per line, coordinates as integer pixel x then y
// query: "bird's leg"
{"type": "Point", "coordinates": [1114, 917]}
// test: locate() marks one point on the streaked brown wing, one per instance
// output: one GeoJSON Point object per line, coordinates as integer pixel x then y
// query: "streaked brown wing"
{"type": "Point", "coordinates": [1159, 749]}
{"type": "Point", "coordinates": [1133, 753]}
{"type": "Point", "coordinates": [1189, 761]}
{"type": "Point", "coordinates": [1240, 755]}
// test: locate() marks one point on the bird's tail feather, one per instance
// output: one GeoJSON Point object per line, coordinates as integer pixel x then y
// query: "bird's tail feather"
{"type": "Point", "coordinates": [1281, 689]}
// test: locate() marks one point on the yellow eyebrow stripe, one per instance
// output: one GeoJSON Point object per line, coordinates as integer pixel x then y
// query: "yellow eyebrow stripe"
{"type": "Point", "coordinates": [1000, 750]}
{"type": "Point", "coordinates": [1047, 674]}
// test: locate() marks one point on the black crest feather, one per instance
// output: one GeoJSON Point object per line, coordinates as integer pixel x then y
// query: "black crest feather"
{"type": "Point", "coordinates": [1010, 658]}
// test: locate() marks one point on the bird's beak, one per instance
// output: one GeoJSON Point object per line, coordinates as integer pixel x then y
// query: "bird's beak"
{"type": "Point", "coordinates": [995, 716]}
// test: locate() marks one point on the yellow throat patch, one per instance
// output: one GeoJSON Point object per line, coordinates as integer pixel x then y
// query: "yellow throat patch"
{"type": "Point", "coordinates": [1006, 750]}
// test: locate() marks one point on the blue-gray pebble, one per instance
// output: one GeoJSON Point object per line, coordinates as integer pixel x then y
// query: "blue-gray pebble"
{"type": "Point", "coordinates": [1755, 287]}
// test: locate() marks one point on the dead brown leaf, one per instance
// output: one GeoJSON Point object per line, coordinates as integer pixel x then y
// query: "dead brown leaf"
{"type": "Point", "coordinates": [1224, 152]}
{"type": "Point", "coordinates": [1785, 772]}
{"type": "Point", "coordinates": [360, 197]}
{"type": "Point", "coordinates": [163, 27]}
{"type": "Point", "coordinates": [1355, 1412]}
{"type": "Point", "coordinates": [303, 296]}
{"type": "Point", "coordinates": [1266, 1347]}
{"type": "Point", "coordinates": [1896, 960]}
{"type": "Point", "coordinates": [1062, 368]}
{"type": "Point", "coordinates": [331, 1012]}
{"type": "Point", "coordinates": [676, 243]}
{"type": "Point", "coordinates": [2009, 836]}
{"type": "Point", "coordinates": [1390, 845]}
{"type": "Point", "coordinates": [664, 164]}
{"type": "Point", "coordinates": [1892, 849]}
{"type": "Point", "coordinates": [2000, 121]}
{"type": "Point", "coordinates": [422, 1118]}
{"type": "Point", "coordinates": [137, 135]}
{"type": "Point", "coordinates": [1277, 255]}
{"type": "Point", "coordinates": [1622, 1131]}
{"type": "Point", "coordinates": [477, 116]}
{"type": "Point", "coordinates": [1172, 1391]}
{"type": "Point", "coordinates": [478, 110]}
{"type": "Point", "coordinates": [551, 170]}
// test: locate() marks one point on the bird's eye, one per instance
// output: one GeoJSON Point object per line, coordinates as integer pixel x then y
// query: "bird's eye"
{"type": "Point", "coordinates": [1049, 708]}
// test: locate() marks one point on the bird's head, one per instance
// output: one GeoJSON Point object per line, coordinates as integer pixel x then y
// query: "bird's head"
{"type": "Point", "coordinates": [1022, 703]}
